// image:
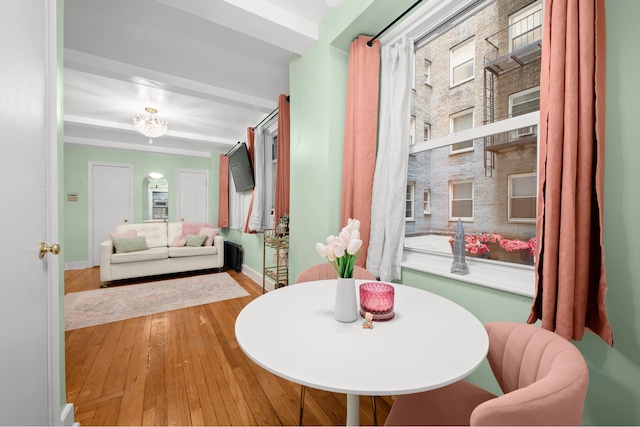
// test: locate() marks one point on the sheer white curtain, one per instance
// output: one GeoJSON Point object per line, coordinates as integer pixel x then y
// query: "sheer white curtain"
{"type": "Point", "coordinates": [236, 208]}
{"type": "Point", "coordinates": [257, 211]}
{"type": "Point", "coordinates": [390, 178]}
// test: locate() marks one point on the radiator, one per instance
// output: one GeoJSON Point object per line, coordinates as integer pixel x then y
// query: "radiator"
{"type": "Point", "coordinates": [233, 256]}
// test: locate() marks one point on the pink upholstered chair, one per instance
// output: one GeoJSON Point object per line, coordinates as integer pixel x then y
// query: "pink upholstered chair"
{"type": "Point", "coordinates": [322, 272]}
{"type": "Point", "coordinates": [326, 271]}
{"type": "Point", "coordinates": [543, 376]}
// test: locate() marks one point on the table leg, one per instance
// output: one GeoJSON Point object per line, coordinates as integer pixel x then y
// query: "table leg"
{"type": "Point", "coordinates": [353, 410]}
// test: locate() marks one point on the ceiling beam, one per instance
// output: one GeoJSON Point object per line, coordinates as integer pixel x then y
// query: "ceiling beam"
{"type": "Point", "coordinates": [84, 62]}
{"type": "Point", "coordinates": [259, 19]}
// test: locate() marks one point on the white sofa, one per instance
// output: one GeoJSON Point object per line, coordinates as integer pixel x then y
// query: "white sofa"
{"type": "Point", "coordinates": [161, 257]}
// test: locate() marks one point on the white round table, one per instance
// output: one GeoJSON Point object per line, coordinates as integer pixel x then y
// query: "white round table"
{"type": "Point", "coordinates": [431, 342]}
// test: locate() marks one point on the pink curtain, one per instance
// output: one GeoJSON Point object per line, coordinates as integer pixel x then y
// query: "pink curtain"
{"type": "Point", "coordinates": [570, 272]}
{"type": "Point", "coordinates": [223, 197]}
{"type": "Point", "coordinates": [282, 159]}
{"type": "Point", "coordinates": [361, 128]}
{"type": "Point", "coordinates": [251, 149]}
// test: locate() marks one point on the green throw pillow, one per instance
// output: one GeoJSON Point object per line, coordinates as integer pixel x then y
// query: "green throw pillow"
{"type": "Point", "coordinates": [193, 240]}
{"type": "Point", "coordinates": [130, 244]}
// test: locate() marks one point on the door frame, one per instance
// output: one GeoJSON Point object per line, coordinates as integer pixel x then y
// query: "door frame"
{"type": "Point", "coordinates": [59, 411]}
{"type": "Point", "coordinates": [90, 196]}
{"type": "Point", "coordinates": [52, 206]}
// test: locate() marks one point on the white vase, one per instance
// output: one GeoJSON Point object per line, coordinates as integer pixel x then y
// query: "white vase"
{"type": "Point", "coordinates": [346, 306]}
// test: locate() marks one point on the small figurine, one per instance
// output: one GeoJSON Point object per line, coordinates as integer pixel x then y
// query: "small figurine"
{"type": "Point", "coordinates": [368, 321]}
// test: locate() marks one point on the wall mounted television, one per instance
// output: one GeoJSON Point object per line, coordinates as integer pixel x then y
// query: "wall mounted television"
{"type": "Point", "coordinates": [240, 167]}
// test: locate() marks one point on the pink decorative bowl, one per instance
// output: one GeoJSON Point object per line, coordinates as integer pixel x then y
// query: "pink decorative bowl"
{"type": "Point", "coordinates": [377, 298]}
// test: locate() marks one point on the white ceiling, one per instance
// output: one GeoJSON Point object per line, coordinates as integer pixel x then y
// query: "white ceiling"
{"type": "Point", "coordinates": [211, 68]}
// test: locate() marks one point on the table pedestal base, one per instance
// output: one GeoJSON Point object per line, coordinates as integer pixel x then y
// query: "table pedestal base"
{"type": "Point", "coordinates": [353, 410]}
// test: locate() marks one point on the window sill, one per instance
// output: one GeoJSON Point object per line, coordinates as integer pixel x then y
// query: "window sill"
{"type": "Point", "coordinates": [463, 150]}
{"type": "Point", "coordinates": [453, 85]}
{"type": "Point", "coordinates": [507, 277]}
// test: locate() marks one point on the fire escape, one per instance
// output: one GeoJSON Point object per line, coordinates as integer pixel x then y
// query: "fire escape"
{"type": "Point", "coordinates": [512, 48]}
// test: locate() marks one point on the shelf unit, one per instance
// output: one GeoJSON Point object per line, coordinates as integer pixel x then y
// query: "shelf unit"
{"type": "Point", "coordinates": [278, 269]}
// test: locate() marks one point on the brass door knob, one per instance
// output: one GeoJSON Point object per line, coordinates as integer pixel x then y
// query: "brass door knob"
{"type": "Point", "coordinates": [54, 249]}
{"type": "Point", "coordinates": [126, 220]}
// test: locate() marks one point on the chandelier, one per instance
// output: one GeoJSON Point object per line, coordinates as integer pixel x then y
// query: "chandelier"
{"type": "Point", "coordinates": [149, 125]}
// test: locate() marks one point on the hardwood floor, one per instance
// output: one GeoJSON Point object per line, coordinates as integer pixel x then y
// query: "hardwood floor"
{"type": "Point", "coordinates": [184, 367]}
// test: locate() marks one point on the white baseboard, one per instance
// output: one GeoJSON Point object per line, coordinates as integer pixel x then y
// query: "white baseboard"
{"type": "Point", "coordinates": [76, 265]}
{"type": "Point", "coordinates": [66, 417]}
{"type": "Point", "coordinates": [257, 277]}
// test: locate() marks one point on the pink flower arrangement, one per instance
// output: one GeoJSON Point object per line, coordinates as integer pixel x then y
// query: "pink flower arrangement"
{"type": "Point", "coordinates": [477, 244]}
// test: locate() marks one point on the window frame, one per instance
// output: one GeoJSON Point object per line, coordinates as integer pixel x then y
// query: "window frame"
{"type": "Point", "coordinates": [512, 35]}
{"type": "Point", "coordinates": [411, 199]}
{"type": "Point", "coordinates": [426, 202]}
{"type": "Point", "coordinates": [522, 93]}
{"type": "Point", "coordinates": [451, 200]}
{"type": "Point", "coordinates": [426, 131]}
{"type": "Point", "coordinates": [270, 161]}
{"type": "Point", "coordinates": [427, 72]}
{"type": "Point", "coordinates": [452, 149]}
{"type": "Point", "coordinates": [510, 197]}
{"type": "Point", "coordinates": [512, 278]}
{"type": "Point", "coordinates": [453, 66]}
{"type": "Point", "coordinates": [412, 130]}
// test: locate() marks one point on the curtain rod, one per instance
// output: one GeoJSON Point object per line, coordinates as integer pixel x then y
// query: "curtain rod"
{"type": "Point", "coordinates": [370, 42]}
{"type": "Point", "coordinates": [275, 110]}
{"type": "Point", "coordinates": [234, 148]}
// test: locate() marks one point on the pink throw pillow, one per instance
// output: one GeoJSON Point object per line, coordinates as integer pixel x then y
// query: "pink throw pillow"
{"type": "Point", "coordinates": [179, 241]}
{"type": "Point", "coordinates": [210, 233]}
{"type": "Point", "coordinates": [124, 235]}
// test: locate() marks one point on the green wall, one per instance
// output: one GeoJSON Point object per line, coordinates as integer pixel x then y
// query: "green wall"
{"type": "Point", "coordinates": [76, 168]}
{"type": "Point", "coordinates": [317, 88]}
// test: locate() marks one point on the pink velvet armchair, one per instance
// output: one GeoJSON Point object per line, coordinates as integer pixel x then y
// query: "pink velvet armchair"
{"type": "Point", "coordinates": [543, 376]}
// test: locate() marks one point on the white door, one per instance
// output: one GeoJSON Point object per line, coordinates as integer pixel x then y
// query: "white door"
{"type": "Point", "coordinates": [111, 202]}
{"type": "Point", "coordinates": [193, 196]}
{"type": "Point", "coordinates": [30, 289]}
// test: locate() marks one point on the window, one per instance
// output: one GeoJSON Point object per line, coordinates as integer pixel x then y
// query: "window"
{"type": "Point", "coordinates": [462, 62]}
{"type": "Point", "coordinates": [412, 130]}
{"type": "Point", "coordinates": [524, 102]}
{"type": "Point", "coordinates": [427, 131]}
{"type": "Point", "coordinates": [461, 200]}
{"type": "Point", "coordinates": [427, 72]}
{"type": "Point", "coordinates": [459, 122]}
{"type": "Point", "coordinates": [408, 213]}
{"type": "Point", "coordinates": [521, 103]}
{"type": "Point", "coordinates": [270, 171]}
{"type": "Point", "coordinates": [482, 174]}
{"type": "Point", "coordinates": [426, 202]}
{"type": "Point", "coordinates": [522, 197]}
{"type": "Point", "coordinates": [525, 26]}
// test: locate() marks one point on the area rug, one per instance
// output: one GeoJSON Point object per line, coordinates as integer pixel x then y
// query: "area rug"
{"type": "Point", "coordinates": [90, 308]}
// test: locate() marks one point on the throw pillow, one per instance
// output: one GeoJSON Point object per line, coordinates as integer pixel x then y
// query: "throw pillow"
{"type": "Point", "coordinates": [123, 235]}
{"type": "Point", "coordinates": [210, 233]}
{"type": "Point", "coordinates": [179, 241]}
{"type": "Point", "coordinates": [193, 240]}
{"type": "Point", "coordinates": [130, 244]}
